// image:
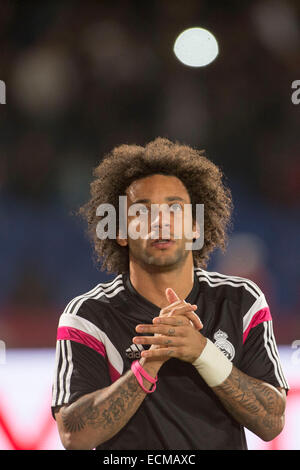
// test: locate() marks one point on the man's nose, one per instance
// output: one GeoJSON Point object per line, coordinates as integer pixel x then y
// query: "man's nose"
{"type": "Point", "coordinates": [160, 223]}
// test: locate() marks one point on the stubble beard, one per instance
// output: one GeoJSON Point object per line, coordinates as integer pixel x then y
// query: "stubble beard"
{"type": "Point", "coordinates": [160, 263]}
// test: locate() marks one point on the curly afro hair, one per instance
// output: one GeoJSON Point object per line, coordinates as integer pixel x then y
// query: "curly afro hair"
{"type": "Point", "coordinates": [127, 163]}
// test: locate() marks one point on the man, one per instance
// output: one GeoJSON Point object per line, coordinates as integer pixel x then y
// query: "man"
{"type": "Point", "coordinates": [135, 367]}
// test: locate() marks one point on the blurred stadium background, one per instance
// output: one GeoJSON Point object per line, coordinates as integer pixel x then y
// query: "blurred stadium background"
{"type": "Point", "coordinates": [82, 77]}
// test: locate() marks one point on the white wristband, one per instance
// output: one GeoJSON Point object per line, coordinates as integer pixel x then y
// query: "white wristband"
{"type": "Point", "coordinates": [212, 365]}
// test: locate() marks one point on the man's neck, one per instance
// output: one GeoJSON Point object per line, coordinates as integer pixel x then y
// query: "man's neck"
{"type": "Point", "coordinates": [152, 283]}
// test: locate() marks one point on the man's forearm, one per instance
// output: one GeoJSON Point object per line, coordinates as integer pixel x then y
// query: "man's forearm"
{"type": "Point", "coordinates": [98, 416]}
{"type": "Point", "coordinates": [255, 404]}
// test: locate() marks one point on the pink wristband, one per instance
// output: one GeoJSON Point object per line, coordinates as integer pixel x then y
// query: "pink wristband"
{"type": "Point", "coordinates": [138, 371]}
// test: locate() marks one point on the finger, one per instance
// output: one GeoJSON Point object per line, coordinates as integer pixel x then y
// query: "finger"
{"type": "Point", "coordinates": [178, 320]}
{"type": "Point", "coordinates": [189, 313]}
{"type": "Point", "coordinates": [157, 340]}
{"type": "Point", "coordinates": [160, 330]}
{"type": "Point", "coordinates": [165, 310]}
{"type": "Point", "coordinates": [171, 295]}
{"type": "Point", "coordinates": [160, 352]}
{"type": "Point", "coordinates": [179, 309]}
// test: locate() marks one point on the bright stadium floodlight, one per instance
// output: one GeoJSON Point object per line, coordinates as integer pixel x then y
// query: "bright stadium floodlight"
{"type": "Point", "coordinates": [196, 47]}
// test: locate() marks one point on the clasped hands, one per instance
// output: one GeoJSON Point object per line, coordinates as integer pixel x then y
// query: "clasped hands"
{"type": "Point", "coordinates": [176, 332]}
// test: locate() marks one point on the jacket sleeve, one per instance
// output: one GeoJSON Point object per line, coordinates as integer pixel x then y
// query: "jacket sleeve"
{"type": "Point", "coordinates": [260, 354]}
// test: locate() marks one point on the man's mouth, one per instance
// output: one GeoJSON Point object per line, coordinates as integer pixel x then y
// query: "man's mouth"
{"type": "Point", "coordinates": [162, 243]}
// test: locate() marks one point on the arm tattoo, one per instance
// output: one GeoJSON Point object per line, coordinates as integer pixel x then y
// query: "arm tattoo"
{"type": "Point", "coordinates": [103, 410]}
{"type": "Point", "coordinates": [255, 404]}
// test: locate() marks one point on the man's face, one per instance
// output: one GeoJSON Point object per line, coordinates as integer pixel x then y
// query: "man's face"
{"type": "Point", "coordinates": [158, 246]}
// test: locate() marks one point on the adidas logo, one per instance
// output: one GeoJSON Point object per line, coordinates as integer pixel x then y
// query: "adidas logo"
{"type": "Point", "coordinates": [134, 351]}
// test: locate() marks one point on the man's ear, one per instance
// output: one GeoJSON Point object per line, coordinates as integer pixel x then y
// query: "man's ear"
{"type": "Point", "coordinates": [121, 241]}
{"type": "Point", "coordinates": [196, 230]}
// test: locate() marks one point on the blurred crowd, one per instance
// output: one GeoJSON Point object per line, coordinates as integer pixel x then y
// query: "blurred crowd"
{"type": "Point", "coordinates": [82, 77]}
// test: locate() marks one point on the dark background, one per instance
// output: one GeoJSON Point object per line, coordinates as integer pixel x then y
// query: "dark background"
{"type": "Point", "coordinates": [83, 77]}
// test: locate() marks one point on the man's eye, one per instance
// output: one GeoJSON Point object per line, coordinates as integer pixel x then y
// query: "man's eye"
{"type": "Point", "coordinates": [142, 210]}
{"type": "Point", "coordinates": [176, 207]}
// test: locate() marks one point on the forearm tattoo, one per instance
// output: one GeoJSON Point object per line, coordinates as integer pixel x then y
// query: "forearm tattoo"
{"type": "Point", "coordinates": [255, 404]}
{"type": "Point", "coordinates": [102, 410]}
